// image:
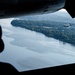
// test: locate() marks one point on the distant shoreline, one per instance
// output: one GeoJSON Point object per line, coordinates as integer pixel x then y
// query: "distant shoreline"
{"type": "Point", "coordinates": [64, 32]}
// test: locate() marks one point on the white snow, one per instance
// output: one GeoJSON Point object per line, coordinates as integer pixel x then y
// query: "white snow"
{"type": "Point", "coordinates": [28, 50]}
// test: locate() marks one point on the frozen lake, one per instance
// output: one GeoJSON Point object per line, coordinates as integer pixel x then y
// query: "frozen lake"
{"type": "Point", "coordinates": [29, 50]}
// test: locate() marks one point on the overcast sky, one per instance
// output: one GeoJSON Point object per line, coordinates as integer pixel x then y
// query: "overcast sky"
{"type": "Point", "coordinates": [62, 10]}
